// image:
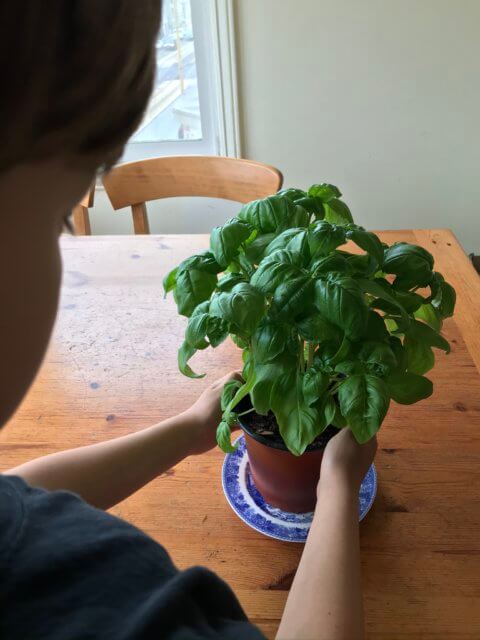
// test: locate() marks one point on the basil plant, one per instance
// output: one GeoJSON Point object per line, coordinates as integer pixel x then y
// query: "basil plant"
{"type": "Point", "coordinates": [328, 336]}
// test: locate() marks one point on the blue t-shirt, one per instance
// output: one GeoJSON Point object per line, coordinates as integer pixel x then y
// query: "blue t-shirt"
{"type": "Point", "coordinates": [69, 571]}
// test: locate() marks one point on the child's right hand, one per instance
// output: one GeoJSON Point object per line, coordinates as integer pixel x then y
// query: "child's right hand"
{"type": "Point", "coordinates": [346, 461]}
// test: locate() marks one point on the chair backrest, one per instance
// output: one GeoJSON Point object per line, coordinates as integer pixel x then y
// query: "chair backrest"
{"type": "Point", "coordinates": [81, 218]}
{"type": "Point", "coordinates": [135, 183]}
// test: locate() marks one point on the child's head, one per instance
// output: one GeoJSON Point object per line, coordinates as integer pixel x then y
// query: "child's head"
{"type": "Point", "coordinates": [76, 77]}
{"type": "Point", "coordinates": [76, 74]}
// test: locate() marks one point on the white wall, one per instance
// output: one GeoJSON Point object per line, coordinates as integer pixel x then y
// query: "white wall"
{"type": "Point", "coordinates": [381, 97]}
{"type": "Point", "coordinates": [174, 215]}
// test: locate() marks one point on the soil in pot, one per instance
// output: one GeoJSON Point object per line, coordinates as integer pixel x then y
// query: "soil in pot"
{"type": "Point", "coordinates": [285, 481]}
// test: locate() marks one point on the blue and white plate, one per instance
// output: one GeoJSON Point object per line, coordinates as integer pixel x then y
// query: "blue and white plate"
{"type": "Point", "coordinates": [249, 505]}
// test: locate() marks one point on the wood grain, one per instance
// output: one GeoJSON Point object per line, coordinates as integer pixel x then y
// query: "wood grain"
{"type": "Point", "coordinates": [81, 221]}
{"type": "Point", "coordinates": [111, 368]}
{"type": "Point", "coordinates": [140, 218]}
{"type": "Point", "coordinates": [210, 176]}
{"type": "Point", "coordinates": [135, 183]}
{"type": "Point", "coordinates": [81, 217]}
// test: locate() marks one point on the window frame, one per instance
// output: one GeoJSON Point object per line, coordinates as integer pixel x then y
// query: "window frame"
{"type": "Point", "coordinates": [214, 41]}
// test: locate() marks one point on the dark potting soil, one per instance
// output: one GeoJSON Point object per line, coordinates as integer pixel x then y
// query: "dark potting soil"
{"type": "Point", "coordinates": [267, 426]}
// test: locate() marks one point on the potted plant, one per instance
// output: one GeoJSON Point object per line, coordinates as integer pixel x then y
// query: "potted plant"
{"type": "Point", "coordinates": [329, 337]}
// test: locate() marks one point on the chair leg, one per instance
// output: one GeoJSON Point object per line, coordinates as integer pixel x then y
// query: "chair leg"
{"type": "Point", "coordinates": [81, 221]}
{"type": "Point", "coordinates": [140, 218]}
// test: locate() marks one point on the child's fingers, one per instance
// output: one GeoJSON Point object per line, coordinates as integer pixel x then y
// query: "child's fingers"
{"type": "Point", "coordinates": [233, 375]}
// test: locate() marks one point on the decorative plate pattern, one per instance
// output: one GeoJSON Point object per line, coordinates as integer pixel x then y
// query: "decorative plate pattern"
{"type": "Point", "coordinates": [249, 505]}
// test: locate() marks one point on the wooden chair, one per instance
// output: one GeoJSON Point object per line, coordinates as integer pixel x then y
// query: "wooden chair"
{"type": "Point", "coordinates": [81, 219]}
{"type": "Point", "coordinates": [135, 183]}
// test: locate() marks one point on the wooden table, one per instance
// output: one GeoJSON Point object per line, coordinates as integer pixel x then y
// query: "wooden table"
{"type": "Point", "coordinates": [111, 368]}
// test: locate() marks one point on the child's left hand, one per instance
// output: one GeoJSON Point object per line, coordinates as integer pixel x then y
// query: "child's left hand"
{"type": "Point", "coordinates": [205, 414]}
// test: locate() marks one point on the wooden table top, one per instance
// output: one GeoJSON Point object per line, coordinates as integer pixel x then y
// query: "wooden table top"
{"type": "Point", "coordinates": [112, 368]}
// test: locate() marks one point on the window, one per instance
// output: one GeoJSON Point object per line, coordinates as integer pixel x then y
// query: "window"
{"type": "Point", "coordinates": [191, 108]}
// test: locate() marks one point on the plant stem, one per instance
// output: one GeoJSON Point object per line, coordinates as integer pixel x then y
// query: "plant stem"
{"type": "Point", "coordinates": [245, 412]}
{"type": "Point", "coordinates": [302, 355]}
{"type": "Point", "coordinates": [311, 351]}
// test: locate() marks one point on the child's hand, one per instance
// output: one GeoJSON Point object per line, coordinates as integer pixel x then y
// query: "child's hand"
{"type": "Point", "coordinates": [205, 414]}
{"type": "Point", "coordinates": [347, 461]}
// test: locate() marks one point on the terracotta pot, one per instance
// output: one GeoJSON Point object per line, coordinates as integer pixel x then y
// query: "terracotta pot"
{"type": "Point", "coordinates": [284, 480]}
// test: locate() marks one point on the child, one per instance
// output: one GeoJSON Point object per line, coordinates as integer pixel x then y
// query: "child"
{"type": "Point", "coordinates": [77, 75]}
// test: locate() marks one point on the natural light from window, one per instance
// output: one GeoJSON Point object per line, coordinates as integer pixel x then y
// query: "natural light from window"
{"type": "Point", "coordinates": [173, 113]}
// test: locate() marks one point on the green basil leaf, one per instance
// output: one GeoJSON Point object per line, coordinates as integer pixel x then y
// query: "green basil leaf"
{"type": "Point", "coordinates": [315, 383]}
{"type": "Point", "coordinates": [430, 315]}
{"type": "Point", "coordinates": [266, 375]}
{"type": "Point", "coordinates": [333, 263]}
{"type": "Point", "coordinates": [410, 263]}
{"type": "Point", "coordinates": [324, 237]}
{"type": "Point", "coordinates": [185, 352]}
{"type": "Point", "coordinates": [298, 423]}
{"type": "Point", "coordinates": [245, 265]}
{"type": "Point", "coordinates": [392, 326]}
{"type": "Point", "coordinates": [376, 329]}
{"type": "Point", "coordinates": [217, 331]}
{"type": "Point", "coordinates": [350, 367]}
{"type": "Point", "coordinates": [200, 309]}
{"type": "Point", "coordinates": [256, 250]}
{"type": "Point", "coordinates": [341, 353]}
{"type": "Point", "coordinates": [316, 328]}
{"type": "Point", "coordinates": [275, 269]}
{"type": "Point", "coordinates": [400, 353]}
{"type": "Point", "coordinates": [407, 388]}
{"type": "Point", "coordinates": [192, 288]}
{"type": "Point", "coordinates": [424, 333]}
{"type": "Point", "coordinates": [329, 354]}
{"type": "Point", "coordinates": [435, 286]}
{"type": "Point", "coordinates": [292, 240]}
{"type": "Point", "coordinates": [300, 217]}
{"type": "Point", "coordinates": [240, 342]}
{"type": "Point", "coordinates": [341, 302]}
{"type": "Point", "coordinates": [364, 266]}
{"type": "Point", "coordinates": [410, 301]}
{"type": "Point", "coordinates": [197, 330]}
{"type": "Point", "coordinates": [269, 340]}
{"type": "Point", "coordinates": [170, 280]}
{"type": "Point", "coordinates": [261, 393]}
{"type": "Point", "coordinates": [227, 282]}
{"type": "Point", "coordinates": [338, 420]}
{"type": "Point", "coordinates": [329, 408]}
{"type": "Point", "coordinates": [293, 297]}
{"type": "Point", "coordinates": [364, 402]}
{"type": "Point", "coordinates": [226, 240]}
{"type": "Point", "coordinates": [313, 205]}
{"type": "Point", "coordinates": [242, 308]}
{"type": "Point", "coordinates": [400, 253]}
{"type": "Point", "coordinates": [229, 390]}
{"type": "Point", "coordinates": [272, 214]}
{"type": "Point", "coordinates": [445, 299]}
{"type": "Point", "coordinates": [224, 438]}
{"type": "Point", "coordinates": [248, 363]}
{"type": "Point", "coordinates": [336, 211]}
{"type": "Point", "coordinates": [292, 194]}
{"type": "Point", "coordinates": [378, 358]}
{"type": "Point", "coordinates": [243, 391]}
{"type": "Point", "coordinates": [201, 262]}
{"type": "Point", "coordinates": [380, 288]}
{"type": "Point", "coordinates": [325, 192]}
{"type": "Point", "coordinates": [420, 358]}
{"type": "Point", "coordinates": [367, 241]}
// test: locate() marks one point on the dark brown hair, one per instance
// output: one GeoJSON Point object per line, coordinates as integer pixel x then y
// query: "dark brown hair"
{"type": "Point", "coordinates": [76, 76]}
